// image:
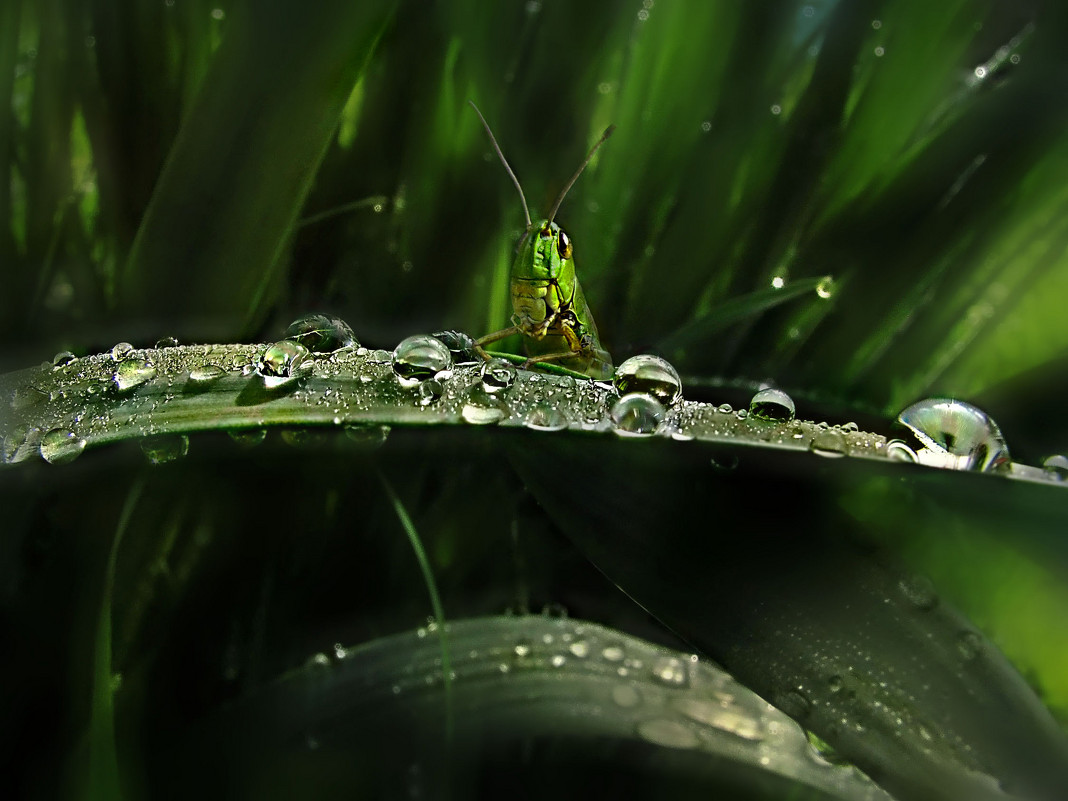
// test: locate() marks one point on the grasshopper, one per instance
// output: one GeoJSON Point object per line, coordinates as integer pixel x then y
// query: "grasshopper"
{"type": "Point", "coordinates": [548, 305]}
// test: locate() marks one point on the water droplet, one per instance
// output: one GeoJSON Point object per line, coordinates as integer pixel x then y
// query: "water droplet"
{"type": "Point", "coordinates": [580, 649]}
{"type": "Point", "coordinates": [317, 661]}
{"type": "Point", "coordinates": [544, 416]}
{"type": "Point", "coordinates": [282, 363]}
{"type": "Point", "coordinates": [772, 404]}
{"type": "Point", "coordinates": [206, 373]}
{"type": "Point", "coordinates": [418, 358]}
{"type": "Point", "coordinates": [794, 703]}
{"type": "Point", "coordinates": [714, 714]}
{"type": "Point", "coordinates": [1057, 467]}
{"type": "Point", "coordinates": [636, 414]}
{"type": "Point", "coordinates": [321, 333]}
{"type": "Point", "coordinates": [835, 683]}
{"type": "Point", "coordinates": [481, 408]}
{"type": "Point", "coordinates": [62, 358]}
{"type": "Point", "coordinates": [899, 451]}
{"type": "Point", "coordinates": [167, 342]}
{"type": "Point", "coordinates": [829, 442]}
{"type": "Point", "coordinates": [368, 435]}
{"type": "Point", "coordinates": [626, 695]}
{"type": "Point", "coordinates": [60, 445]}
{"type": "Point", "coordinates": [121, 351]}
{"type": "Point", "coordinates": [522, 649]}
{"type": "Point", "coordinates": [248, 437]}
{"type": "Point", "coordinates": [380, 357]}
{"type": "Point", "coordinates": [462, 346]}
{"type": "Point", "coordinates": [826, 287]}
{"type": "Point", "coordinates": [612, 653]}
{"type": "Point", "coordinates": [671, 671]}
{"type": "Point", "coordinates": [969, 644]}
{"type": "Point", "coordinates": [724, 408]}
{"type": "Point", "coordinates": [919, 591]}
{"type": "Point", "coordinates": [498, 375]}
{"type": "Point", "coordinates": [429, 391]}
{"type": "Point", "coordinates": [650, 375]}
{"type": "Point", "coordinates": [668, 733]}
{"type": "Point", "coordinates": [132, 373]}
{"type": "Point", "coordinates": [955, 435]}
{"type": "Point", "coordinates": [165, 448]}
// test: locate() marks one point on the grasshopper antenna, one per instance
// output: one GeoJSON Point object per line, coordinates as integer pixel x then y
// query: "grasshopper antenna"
{"type": "Point", "coordinates": [504, 161]}
{"type": "Point", "coordinates": [556, 206]}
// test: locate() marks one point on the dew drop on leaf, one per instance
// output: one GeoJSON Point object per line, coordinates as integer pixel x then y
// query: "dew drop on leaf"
{"type": "Point", "coordinates": [636, 414]}
{"type": "Point", "coordinates": [772, 404]}
{"type": "Point", "coordinates": [419, 358]}
{"type": "Point", "coordinates": [650, 375]}
{"type": "Point", "coordinates": [61, 445]}
{"type": "Point", "coordinates": [321, 333]}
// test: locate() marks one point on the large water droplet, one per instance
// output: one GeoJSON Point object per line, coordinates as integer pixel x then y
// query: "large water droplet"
{"type": "Point", "coordinates": [418, 358]}
{"type": "Point", "coordinates": [121, 351]}
{"type": "Point", "coordinates": [481, 408]}
{"type": "Point", "coordinates": [321, 333]}
{"type": "Point", "coordinates": [772, 404]}
{"type": "Point", "coordinates": [636, 414]}
{"type": "Point", "coordinates": [544, 416]}
{"type": "Point", "coordinates": [899, 451]}
{"type": "Point", "coordinates": [62, 358]}
{"type": "Point", "coordinates": [282, 363]}
{"type": "Point", "coordinates": [206, 373]}
{"type": "Point", "coordinates": [829, 442]}
{"type": "Point", "coordinates": [430, 391]}
{"type": "Point", "coordinates": [165, 448]}
{"type": "Point", "coordinates": [650, 375]}
{"type": "Point", "coordinates": [955, 435]}
{"type": "Point", "coordinates": [1056, 467]}
{"type": "Point", "coordinates": [498, 375]}
{"type": "Point", "coordinates": [132, 373]}
{"type": "Point", "coordinates": [826, 287]}
{"type": "Point", "coordinates": [60, 445]}
{"type": "Point", "coordinates": [167, 342]}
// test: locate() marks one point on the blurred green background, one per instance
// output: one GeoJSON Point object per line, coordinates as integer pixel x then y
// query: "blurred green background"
{"type": "Point", "coordinates": [862, 202]}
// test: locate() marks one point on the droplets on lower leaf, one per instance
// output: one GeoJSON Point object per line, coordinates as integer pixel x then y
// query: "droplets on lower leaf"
{"type": "Point", "coordinates": [61, 445]}
{"type": "Point", "coordinates": [636, 415]}
{"type": "Point", "coordinates": [650, 375]}
{"type": "Point", "coordinates": [321, 333]}
{"type": "Point", "coordinates": [430, 391]}
{"type": "Point", "coordinates": [481, 408]}
{"type": "Point", "coordinates": [419, 358]}
{"type": "Point", "coordinates": [955, 435]}
{"type": "Point", "coordinates": [282, 363]}
{"type": "Point", "coordinates": [498, 375]}
{"type": "Point", "coordinates": [132, 373]}
{"type": "Point", "coordinates": [829, 442]}
{"type": "Point", "coordinates": [164, 448]}
{"type": "Point", "coordinates": [772, 404]}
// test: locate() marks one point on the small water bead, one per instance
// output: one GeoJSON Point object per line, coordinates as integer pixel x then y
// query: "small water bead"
{"type": "Point", "coordinates": [956, 435]}
{"type": "Point", "coordinates": [969, 645]}
{"type": "Point", "coordinates": [167, 342]}
{"type": "Point", "coordinates": [650, 375]}
{"type": "Point", "coordinates": [636, 415]}
{"type": "Point", "coordinates": [545, 416]}
{"type": "Point", "coordinates": [121, 351]}
{"type": "Point", "coordinates": [380, 356]}
{"type": "Point", "coordinates": [724, 408]}
{"type": "Point", "coordinates": [1057, 467]}
{"type": "Point", "coordinates": [826, 287]}
{"type": "Point", "coordinates": [671, 671]}
{"type": "Point", "coordinates": [418, 358]}
{"type": "Point", "coordinates": [62, 358]}
{"type": "Point", "coordinates": [430, 391]}
{"type": "Point", "coordinates": [741, 414]}
{"type": "Point", "coordinates": [206, 373]}
{"type": "Point", "coordinates": [580, 649]}
{"type": "Point", "coordinates": [829, 442]}
{"type": "Point", "coordinates": [321, 333]}
{"type": "Point", "coordinates": [919, 591]}
{"type": "Point", "coordinates": [132, 373]}
{"type": "Point", "coordinates": [899, 451]}
{"type": "Point", "coordinates": [481, 408]}
{"type": "Point", "coordinates": [498, 375]}
{"type": "Point", "coordinates": [164, 448]}
{"type": "Point", "coordinates": [772, 404]}
{"type": "Point", "coordinates": [282, 363]}
{"type": "Point", "coordinates": [61, 445]}
{"type": "Point", "coordinates": [613, 653]}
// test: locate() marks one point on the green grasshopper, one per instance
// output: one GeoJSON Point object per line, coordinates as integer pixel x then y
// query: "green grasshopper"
{"type": "Point", "coordinates": [548, 305]}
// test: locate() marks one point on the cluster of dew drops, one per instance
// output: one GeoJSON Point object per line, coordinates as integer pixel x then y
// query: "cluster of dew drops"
{"type": "Point", "coordinates": [643, 399]}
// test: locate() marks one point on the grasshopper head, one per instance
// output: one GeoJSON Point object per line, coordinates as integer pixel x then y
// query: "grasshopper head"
{"type": "Point", "coordinates": [544, 253]}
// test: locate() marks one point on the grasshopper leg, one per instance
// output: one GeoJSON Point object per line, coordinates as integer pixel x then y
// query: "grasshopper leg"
{"type": "Point", "coordinates": [494, 337]}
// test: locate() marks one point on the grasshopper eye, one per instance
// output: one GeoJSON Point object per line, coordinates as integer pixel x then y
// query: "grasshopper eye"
{"type": "Point", "coordinates": [563, 246]}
